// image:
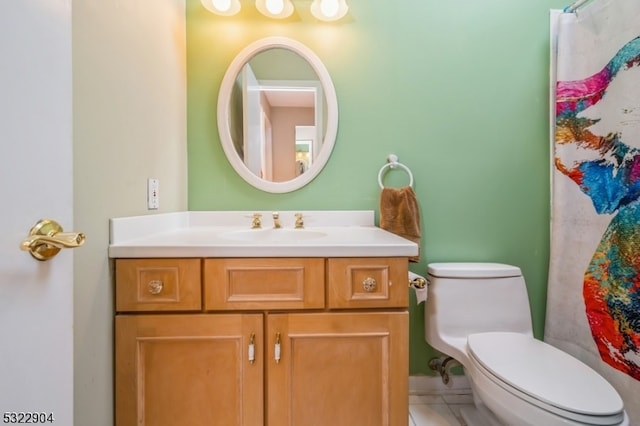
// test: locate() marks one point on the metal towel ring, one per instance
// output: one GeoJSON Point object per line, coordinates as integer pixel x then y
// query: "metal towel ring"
{"type": "Point", "coordinates": [392, 163]}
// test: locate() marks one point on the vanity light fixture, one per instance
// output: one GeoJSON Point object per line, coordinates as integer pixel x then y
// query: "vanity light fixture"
{"type": "Point", "coordinates": [222, 7]}
{"type": "Point", "coordinates": [329, 10]}
{"type": "Point", "coordinates": [323, 10]}
{"type": "Point", "coordinates": [278, 9]}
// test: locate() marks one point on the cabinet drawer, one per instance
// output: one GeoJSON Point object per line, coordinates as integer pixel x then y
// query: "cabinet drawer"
{"type": "Point", "coordinates": [158, 285]}
{"type": "Point", "coordinates": [272, 283]}
{"type": "Point", "coordinates": [367, 282]}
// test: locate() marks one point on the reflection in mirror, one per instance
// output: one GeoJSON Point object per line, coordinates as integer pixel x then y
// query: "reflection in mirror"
{"type": "Point", "coordinates": [277, 114]}
{"type": "Point", "coordinates": [279, 107]}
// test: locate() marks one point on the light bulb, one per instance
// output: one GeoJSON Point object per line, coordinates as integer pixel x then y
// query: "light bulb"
{"type": "Point", "coordinates": [278, 9]}
{"type": "Point", "coordinates": [221, 5]}
{"type": "Point", "coordinates": [275, 7]}
{"type": "Point", "coordinates": [329, 8]}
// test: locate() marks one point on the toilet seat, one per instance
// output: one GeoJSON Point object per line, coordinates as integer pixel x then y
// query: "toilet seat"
{"type": "Point", "coordinates": [546, 377]}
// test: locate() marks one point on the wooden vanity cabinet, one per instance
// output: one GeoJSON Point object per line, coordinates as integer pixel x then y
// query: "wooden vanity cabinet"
{"type": "Point", "coordinates": [280, 341]}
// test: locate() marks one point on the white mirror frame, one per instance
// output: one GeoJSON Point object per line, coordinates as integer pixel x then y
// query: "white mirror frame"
{"type": "Point", "coordinates": [224, 98]}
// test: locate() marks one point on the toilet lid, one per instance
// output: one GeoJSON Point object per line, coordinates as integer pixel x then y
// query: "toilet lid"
{"type": "Point", "coordinates": [472, 270]}
{"type": "Point", "coordinates": [545, 373]}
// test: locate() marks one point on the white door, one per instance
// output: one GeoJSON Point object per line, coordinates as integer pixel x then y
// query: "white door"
{"type": "Point", "coordinates": [36, 297]}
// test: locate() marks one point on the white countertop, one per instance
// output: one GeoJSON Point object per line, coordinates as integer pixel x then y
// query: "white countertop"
{"type": "Point", "coordinates": [228, 234]}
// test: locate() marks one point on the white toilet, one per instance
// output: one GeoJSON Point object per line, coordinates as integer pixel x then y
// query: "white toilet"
{"type": "Point", "coordinates": [478, 314]}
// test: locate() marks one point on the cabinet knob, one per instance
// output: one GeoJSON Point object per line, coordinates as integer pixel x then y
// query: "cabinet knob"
{"type": "Point", "coordinates": [369, 284]}
{"type": "Point", "coordinates": [155, 286]}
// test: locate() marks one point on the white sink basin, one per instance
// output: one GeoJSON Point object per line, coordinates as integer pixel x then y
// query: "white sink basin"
{"type": "Point", "coordinates": [273, 235]}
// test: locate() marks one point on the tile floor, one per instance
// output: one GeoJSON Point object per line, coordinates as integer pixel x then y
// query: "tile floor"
{"type": "Point", "coordinates": [438, 409]}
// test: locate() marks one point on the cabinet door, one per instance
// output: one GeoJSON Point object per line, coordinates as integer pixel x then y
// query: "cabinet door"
{"type": "Point", "coordinates": [338, 369]}
{"type": "Point", "coordinates": [188, 370]}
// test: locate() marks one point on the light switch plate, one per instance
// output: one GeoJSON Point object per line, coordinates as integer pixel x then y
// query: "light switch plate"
{"type": "Point", "coordinates": [153, 189]}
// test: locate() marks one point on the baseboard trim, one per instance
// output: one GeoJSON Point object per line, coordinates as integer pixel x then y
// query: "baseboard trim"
{"type": "Point", "coordinates": [420, 385]}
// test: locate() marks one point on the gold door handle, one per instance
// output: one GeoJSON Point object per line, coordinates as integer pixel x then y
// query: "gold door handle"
{"type": "Point", "coordinates": [46, 238]}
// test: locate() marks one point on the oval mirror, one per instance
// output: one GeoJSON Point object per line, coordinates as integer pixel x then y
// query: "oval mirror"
{"type": "Point", "coordinates": [277, 114]}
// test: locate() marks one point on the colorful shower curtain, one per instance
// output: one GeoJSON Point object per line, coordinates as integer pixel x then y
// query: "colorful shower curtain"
{"type": "Point", "coordinates": [593, 302]}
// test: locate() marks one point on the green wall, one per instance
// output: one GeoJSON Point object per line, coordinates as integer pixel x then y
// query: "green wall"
{"type": "Point", "coordinates": [458, 90]}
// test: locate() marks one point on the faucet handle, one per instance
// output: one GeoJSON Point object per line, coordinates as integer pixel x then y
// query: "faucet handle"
{"type": "Point", "coordinates": [256, 222]}
{"type": "Point", "coordinates": [299, 221]}
{"type": "Point", "coordinates": [276, 220]}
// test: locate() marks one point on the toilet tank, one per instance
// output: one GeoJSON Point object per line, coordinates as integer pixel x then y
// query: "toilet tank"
{"type": "Point", "coordinates": [468, 298]}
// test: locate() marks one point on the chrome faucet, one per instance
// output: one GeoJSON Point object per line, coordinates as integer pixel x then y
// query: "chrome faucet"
{"type": "Point", "coordinates": [276, 221]}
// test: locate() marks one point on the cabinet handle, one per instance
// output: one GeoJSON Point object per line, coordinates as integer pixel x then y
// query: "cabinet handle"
{"type": "Point", "coordinates": [252, 348]}
{"type": "Point", "coordinates": [276, 354]}
{"type": "Point", "coordinates": [155, 286]}
{"type": "Point", "coordinates": [369, 284]}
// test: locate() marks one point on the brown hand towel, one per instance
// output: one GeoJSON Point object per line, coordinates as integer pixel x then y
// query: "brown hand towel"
{"type": "Point", "coordinates": [400, 214]}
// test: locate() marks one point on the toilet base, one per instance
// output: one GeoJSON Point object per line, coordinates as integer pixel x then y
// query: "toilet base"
{"type": "Point", "coordinates": [472, 417]}
{"type": "Point", "coordinates": [479, 415]}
